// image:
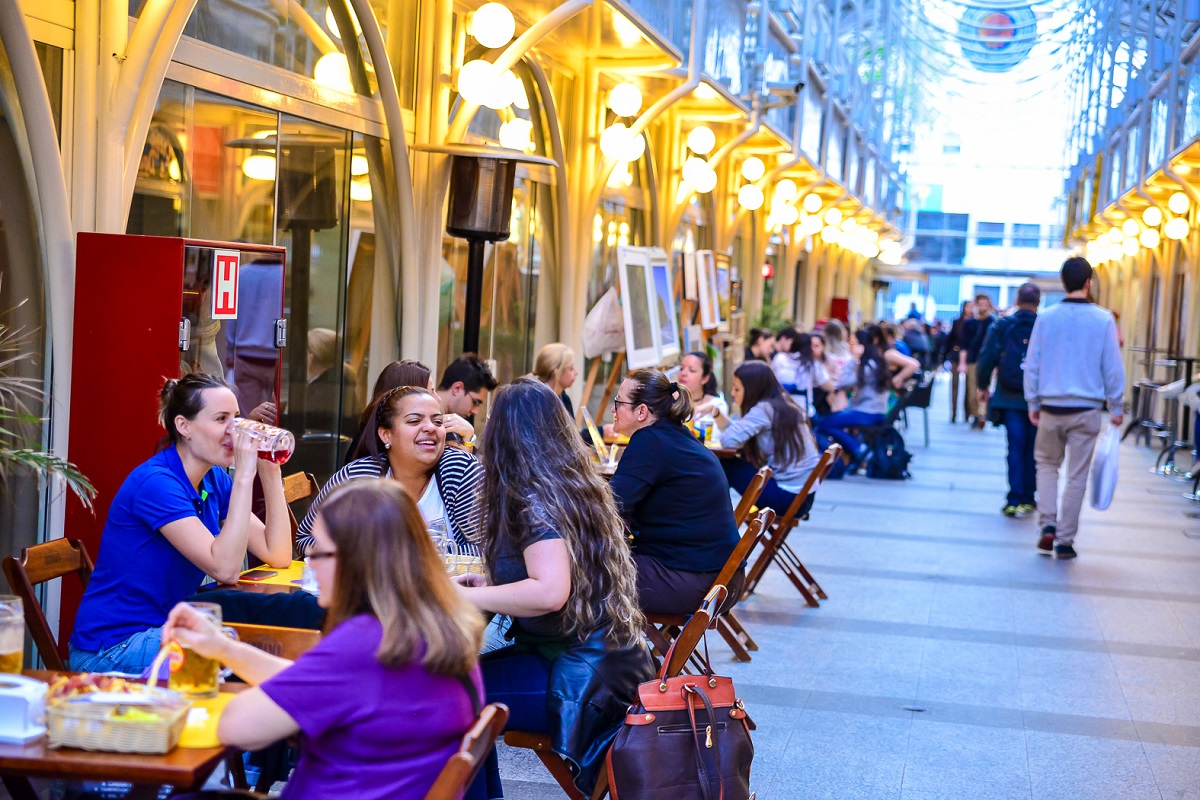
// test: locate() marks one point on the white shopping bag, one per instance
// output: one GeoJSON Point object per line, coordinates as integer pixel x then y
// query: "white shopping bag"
{"type": "Point", "coordinates": [1104, 468]}
{"type": "Point", "coordinates": [604, 327]}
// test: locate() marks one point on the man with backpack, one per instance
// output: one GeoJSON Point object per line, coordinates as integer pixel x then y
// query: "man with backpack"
{"type": "Point", "coordinates": [1003, 352]}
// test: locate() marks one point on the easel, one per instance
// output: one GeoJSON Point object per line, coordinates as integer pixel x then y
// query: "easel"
{"type": "Point", "coordinates": [609, 386]}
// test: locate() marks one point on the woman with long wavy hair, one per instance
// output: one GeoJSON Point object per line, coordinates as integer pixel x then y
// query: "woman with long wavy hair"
{"type": "Point", "coordinates": [772, 431]}
{"type": "Point", "coordinates": [558, 565]}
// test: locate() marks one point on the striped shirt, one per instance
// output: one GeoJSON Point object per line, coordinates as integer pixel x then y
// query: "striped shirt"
{"type": "Point", "coordinates": [459, 477]}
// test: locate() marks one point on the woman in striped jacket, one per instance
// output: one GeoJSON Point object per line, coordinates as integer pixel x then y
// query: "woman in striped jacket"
{"type": "Point", "coordinates": [409, 447]}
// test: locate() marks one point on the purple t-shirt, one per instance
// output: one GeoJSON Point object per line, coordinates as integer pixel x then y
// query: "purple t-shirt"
{"type": "Point", "coordinates": [369, 731]}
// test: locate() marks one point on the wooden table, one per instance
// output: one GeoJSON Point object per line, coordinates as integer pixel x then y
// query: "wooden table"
{"type": "Point", "coordinates": [186, 769]}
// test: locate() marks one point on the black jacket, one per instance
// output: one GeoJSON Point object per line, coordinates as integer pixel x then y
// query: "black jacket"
{"type": "Point", "coordinates": [591, 689]}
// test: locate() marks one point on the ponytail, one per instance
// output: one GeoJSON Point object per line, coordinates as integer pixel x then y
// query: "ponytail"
{"type": "Point", "coordinates": [664, 398]}
{"type": "Point", "coordinates": [183, 397]}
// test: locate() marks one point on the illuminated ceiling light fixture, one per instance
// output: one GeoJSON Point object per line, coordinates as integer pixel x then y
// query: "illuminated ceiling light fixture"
{"type": "Point", "coordinates": [1130, 228]}
{"type": "Point", "coordinates": [493, 25]}
{"type": "Point", "coordinates": [750, 197]}
{"type": "Point", "coordinates": [360, 191]}
{"type": "Point", "coordinates": [615, 141]}
{"type": "Point", "coordinates": [812, 203]}
{"type": "Point", "coordinates": [1130, 246]}
{"type": "Point", "coordinates": [1176, 228]}
{"type": "Point", "coordinates": [694, 170]}
{"type": "Point", "coordinates": [259, 167]}
{"type": "Point", "coordinates": [332, 71]}
{"type": "Point", "coordinates": [512, 90]}
{"type": "Point", "coordinates": [1149, 238]}
{"type": "Point", "coordinates": [1116, 235]}
{"type": "Point", "coordinates": [849, 224]}
{"type": "Point", "coordinates": [1152, 217]}
{"type": "Point", "coordinates": [753, 168]}
{"type": "Point", "coordinates": [708, 181]}
{"type": "Point", "coordinates": [830, 234]}
{"type": "Point", "coordinates": [625, 100]}
{"type": "Point", "coordinates": [331, 24]}
{"type": "Point", "coordinates": [788, 214]}
{"type": "Point", "coordinates": [358, 165]}
{"type": "Point", "coordinates": [516, 134]}
{"type": "Point", "coordinates": [479, 82]}
{"type": "Point", "coordinates": [701, 140]}
{"type": "Point", "coordinates": [833, 218]}
{"type": "Point", "coordinates": [785, 190]}
{"type": "Point", "coordinates": [1179, 203]}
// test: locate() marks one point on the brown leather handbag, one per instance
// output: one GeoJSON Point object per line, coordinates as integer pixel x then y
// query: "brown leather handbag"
{"type": "Point", "coordinates": [687, 738]}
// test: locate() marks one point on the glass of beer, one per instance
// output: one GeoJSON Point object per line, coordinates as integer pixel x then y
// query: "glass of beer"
{"type": "Point", "coordinates": [274, 444]}
{"type": "Point", "coordinates": [12, 634]}
{"type": "Point", "coordinates": [193, 675]}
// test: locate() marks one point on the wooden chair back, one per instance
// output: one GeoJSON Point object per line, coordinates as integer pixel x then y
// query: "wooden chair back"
{"type": "Point", "coordinates": [289, 643]}
{"type": "Point", "coordinates": [476, 744]}
{"type": "Point", "coordinates": [751, 495]}
{"type": "Point", "coordinates": [298, 486]}
{"type": "Point", "coordinates": [761, 522]}
{"type": "Point", "coordinates": [819, 473]}
{"type": "Point", "coordinates": [685, 643]}
{"type": "Point", "coordinates": [38, 564]}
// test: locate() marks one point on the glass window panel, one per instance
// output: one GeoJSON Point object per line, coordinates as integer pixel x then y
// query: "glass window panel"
{"type": "Point", "coordinates": [1158, 133]}
{"type": "Point", "coordinates": [990, 234]}
{"type": "Point", "coordinates": [1191, 123]}
{"type": "Point", "coordinates": [1026, 235]}
{"type": "Point", "coordinates": [810, 126]}
{"type": "Point", "coordinates": [1133, 156]}
{"type": "Point", "coordinates": [51, 60]}
{"type": "Point", "coordinates": [723, 51]}
{"type": "Point", "coordinates": [834, 148]}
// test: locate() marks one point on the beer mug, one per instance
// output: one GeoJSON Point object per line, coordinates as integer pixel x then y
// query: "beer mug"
{"type": "Point", "coordinates": [12, 634]}
{"type": "Point", "coordinates": [191, 674]}
{"type": "Point", "coordinates": [274, 444]}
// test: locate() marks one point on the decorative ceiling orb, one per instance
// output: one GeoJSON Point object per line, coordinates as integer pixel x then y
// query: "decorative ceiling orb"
{"type": "Point", "coordinates": [332, 71]}
{"type": "Point", "coordinates": [708, 181]}
{"type": "Point", "coordinates": [786, 190]}
{"type": "Point", "coordinates": [635, 148]}
{"type": "Point", "coordinates": [833, 217]}
{"type": "Point", "coordinates": [614, 141]}
{"type": "Point", "coordinates": [812, 203]}
{"type": "Point", "coordinates": [830, 234]}
{"type": "Point", "coordinates": [1116, 235]}
{"type": "Point", "coordinates": [478, 82]}
{"type": "Point", "coordinates": [849, 224]}
{"type": "Point", "coordinates": [753, 168]}
{"type": "Point", "coordinates": [331, 24]}
{"type": "Point", "coordinates": [493, 25]}
{"type": "Point", "coordinates": [1176, 228]}
{"type": "Point", "coordinates": [1179, 203]}
{"type": "Point", "coordinates": [516, 134]}
{"type": "Point", "coordinates": [750, 197]}
{"type": "Point", "coordinates": [1130, 246]}
{"type": "Point", "coordinates": [259, 167]}
{"type": "Point", "coordinates": [1152, 217]}
{"type": "Point", "coordinates": [788, 215]}
{"type": "Point", "coordinates": [1149, 238]}
{"type": "Point", "coordinates": [1130, 227]}
{"type": "Point", "coordinates": [625, 100]}
{"type": "Point", "coordinates": [694, 170]}
{"type": "Point", "coordinates": [701, 140]}
{"type": "Point", "coordinates": [358, 165]}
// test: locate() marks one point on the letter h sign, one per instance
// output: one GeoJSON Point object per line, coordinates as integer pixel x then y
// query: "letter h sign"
{"type": "Point", "coordinates": [225, 284]}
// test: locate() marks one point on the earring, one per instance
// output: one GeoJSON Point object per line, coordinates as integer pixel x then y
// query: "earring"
{"type": "Point", "coordinates": [387, 445]}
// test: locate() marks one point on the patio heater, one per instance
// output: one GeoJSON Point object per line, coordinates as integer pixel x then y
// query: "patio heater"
{"type": "Point", "coordinates": [480, 211]}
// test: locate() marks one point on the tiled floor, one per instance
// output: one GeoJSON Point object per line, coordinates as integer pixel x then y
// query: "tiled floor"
{"type": "Point", "coordinates": [1041, 679]}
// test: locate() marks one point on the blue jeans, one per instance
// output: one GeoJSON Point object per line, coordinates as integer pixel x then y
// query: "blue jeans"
{"type": "Point", "coordinates": [835, 427]}
{"type": "Point", "coordinates": [519, 679]}
{"type": "Point", "coordinates": [739, 472]}
{"type": "Point", "coordinates": [1022, 471]}
{"type": "Point", "coordinates": [132, 655]}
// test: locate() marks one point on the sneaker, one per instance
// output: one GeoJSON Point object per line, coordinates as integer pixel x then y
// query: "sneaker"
{"type": "Point", "coordinates": [1064, 551]}
{"type": "Point", "coordinates": [1045, 544]}
{"type": "Point", "coordinates": [1026, 508]}
{"type": "Point", "coordinates": [1009, 510]}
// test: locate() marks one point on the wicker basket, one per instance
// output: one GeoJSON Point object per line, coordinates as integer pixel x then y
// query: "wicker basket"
{"type": "Point", "coordinates": [76, 722]}
{"type": "Point", "coordinates": [464, 564]}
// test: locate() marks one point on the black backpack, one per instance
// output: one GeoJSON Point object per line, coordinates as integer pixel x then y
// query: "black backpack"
{"type": "Point", "coordinates": [889, 459]}
{"type": "Point", "coordinates": [1014, 345]}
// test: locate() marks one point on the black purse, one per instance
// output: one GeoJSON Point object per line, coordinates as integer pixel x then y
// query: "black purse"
{"type": "Point", "coordinates": [686, 738]}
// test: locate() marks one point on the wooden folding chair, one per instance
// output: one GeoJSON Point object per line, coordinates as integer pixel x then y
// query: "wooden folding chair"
{"type": "Point", "coordinates": [751, 495]}
{"type": "Point", "coordinates": [476, 744]}
{"type": "Point", "coordinates": [289, 643]}
{"type": "Point", "coordinates": [775, 547]}
{"type": "Point", "coordinates": [685, 645]}
{"type": "Point", "coordinates": [297, 487]}
{"type": "Point", "coordinates": [661, 629]}
{"type": "Point", "coordinates": [38, 564]}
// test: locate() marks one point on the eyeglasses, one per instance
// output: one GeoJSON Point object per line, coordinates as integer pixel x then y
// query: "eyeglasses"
{"type": "Point", "coordinates": [476, 402]}
{"type": "Point", "coordinates": [318, 555]}
{"type": "Point", "coordinates": [617, 402]}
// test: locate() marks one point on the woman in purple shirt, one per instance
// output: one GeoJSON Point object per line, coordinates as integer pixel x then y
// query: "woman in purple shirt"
{"type": "Point", "coordinates": [384, 700]}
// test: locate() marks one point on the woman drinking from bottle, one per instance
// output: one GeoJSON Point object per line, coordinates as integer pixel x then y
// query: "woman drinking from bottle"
{"type": "Point", "coordinates": [175, 519]}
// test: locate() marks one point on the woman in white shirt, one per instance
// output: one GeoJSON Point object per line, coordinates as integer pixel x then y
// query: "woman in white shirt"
{"type": "Point", "coordinates": [696, 375]}
{"type": "Point", "coordinates": [799, 372]}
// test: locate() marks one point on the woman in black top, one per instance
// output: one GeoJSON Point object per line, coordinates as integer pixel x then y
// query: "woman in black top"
{"type": "Point", "coordinates": [558, 564]}
{"type": "Point", "coordinates": [673, 495]}
{"type": "Point", "coordinates": [956, 344]}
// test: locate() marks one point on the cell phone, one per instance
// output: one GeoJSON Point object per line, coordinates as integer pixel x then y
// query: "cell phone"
{"type": "Point", "coordinates": [259, 575]}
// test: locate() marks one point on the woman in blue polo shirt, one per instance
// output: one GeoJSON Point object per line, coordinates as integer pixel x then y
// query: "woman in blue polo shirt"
{"type": "Point", "coordinates": [175, 519]}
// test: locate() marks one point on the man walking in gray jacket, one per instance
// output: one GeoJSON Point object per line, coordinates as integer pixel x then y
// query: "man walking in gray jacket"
{"type": "Point", "coordinates": [1073, 366]}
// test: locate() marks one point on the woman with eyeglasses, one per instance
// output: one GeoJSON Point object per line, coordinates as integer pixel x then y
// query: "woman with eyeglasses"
{"type": "Point", "coordinates": [385, 698]}
{"type": "Point", "coordinates": [673, 495]}
{"type": "Point", "coordinates": [409, 447]}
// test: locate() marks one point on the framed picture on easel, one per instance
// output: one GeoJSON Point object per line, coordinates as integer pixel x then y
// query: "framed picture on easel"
{"type": "Point", "coordinates": [706, 286]}
{"type": "Point", "coordinates": [641, 338]}
{"type": "Point", "coordinates": [662, 297]}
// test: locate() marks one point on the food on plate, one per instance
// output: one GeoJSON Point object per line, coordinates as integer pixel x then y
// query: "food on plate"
{"type": "Point", "coordinates": [87, 683]}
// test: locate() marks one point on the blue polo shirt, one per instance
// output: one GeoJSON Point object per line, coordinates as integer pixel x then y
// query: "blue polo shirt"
{"type": "Point", "coordinates": [139, 575]}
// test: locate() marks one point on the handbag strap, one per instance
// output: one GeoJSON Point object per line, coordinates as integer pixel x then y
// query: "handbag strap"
{"type": "Point", "coordinates": [691, 691]}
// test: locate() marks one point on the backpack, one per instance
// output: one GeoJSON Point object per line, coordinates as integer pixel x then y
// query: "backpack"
{"type": "Point", "coordinates": [889, 459]}
{"type": "Point", "coordinates": [1014, 345]}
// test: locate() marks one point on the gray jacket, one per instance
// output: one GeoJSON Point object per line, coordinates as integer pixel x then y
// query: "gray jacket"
{"type": "Point", "coordinates": [1074, 360]}
{"type": "Point", "coordinates": [757, 425]}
